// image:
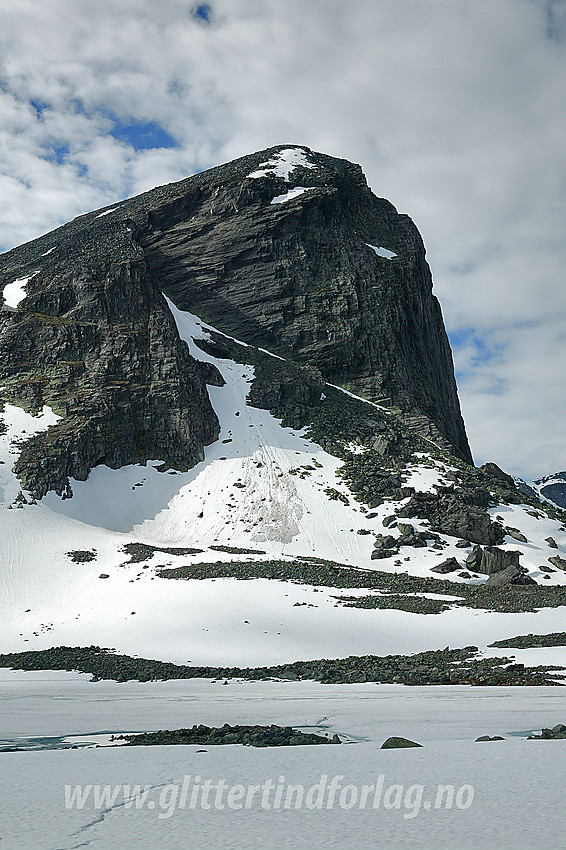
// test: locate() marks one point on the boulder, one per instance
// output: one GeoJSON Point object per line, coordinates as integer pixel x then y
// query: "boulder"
{"type": "Point", "coordinates": [557, 733]}
{"type": "Point", "coordinates": [557, 561]}
{"type": "Point", "coordinates": [510, 575]}
{"type": "Point", "coordinates": [450, 565]}
{"type": "Point", "coordinates": [515, 533]}
{"type": "Point", "coordinates": [488, 738]}
{"type": "Point", "coordinates": [491, 559]}
{"type": "Point", "coordinates": [394, 743]}
{"type": "Point", "coordinates": [385, 546]}
{"type": "Point", "coordinates": [459, 513]}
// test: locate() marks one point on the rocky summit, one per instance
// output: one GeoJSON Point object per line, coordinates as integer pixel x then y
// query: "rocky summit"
{"type": "Point", "coordinates": [284, 249]}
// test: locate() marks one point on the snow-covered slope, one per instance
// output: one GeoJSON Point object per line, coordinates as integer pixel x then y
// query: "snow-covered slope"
{"type": "Point", "coordinates": [262, 488]}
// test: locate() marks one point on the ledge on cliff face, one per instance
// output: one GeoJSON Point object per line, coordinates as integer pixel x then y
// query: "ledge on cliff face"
{"type": "Point", "coordinates": [285, 249]}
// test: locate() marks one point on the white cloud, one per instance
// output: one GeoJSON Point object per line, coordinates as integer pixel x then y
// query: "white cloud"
{"type": "Point", "coordinates": [454, 110]}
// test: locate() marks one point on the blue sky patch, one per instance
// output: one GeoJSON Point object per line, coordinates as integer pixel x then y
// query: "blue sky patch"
{"type": "Point", "coordinates": [203, 13]}
{"type": "Point", "coordinates": [56, 153]}
{"type": "Point", "coordinates": [555, 14]}
{"type": "Point", "coordinates": [38, 107]}
{"type": "Point", "coordinates": [143, 136]}
{"type": "Point", "coordinates": [485, 350]}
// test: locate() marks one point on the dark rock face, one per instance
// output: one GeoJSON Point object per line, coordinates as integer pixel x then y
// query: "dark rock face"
{"type": "Point", "coordinates": [95, 340]}
{"type": "Point", "coordinates": [299, 278]}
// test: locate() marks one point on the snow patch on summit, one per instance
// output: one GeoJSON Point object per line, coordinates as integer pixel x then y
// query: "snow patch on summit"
{"type": "Point", "coordinates": [282, 164]}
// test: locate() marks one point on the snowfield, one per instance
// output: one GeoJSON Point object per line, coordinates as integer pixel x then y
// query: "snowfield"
{"type": "Point", "coordinates": [292, 193]}
{"type": "Point", "coordinates": [382, 252]}
{"type": "Point", "coordinates": [261, 487]}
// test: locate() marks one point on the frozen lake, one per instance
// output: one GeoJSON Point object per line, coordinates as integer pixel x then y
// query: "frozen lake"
{"type": "Point", "coordinates": [515, 801]}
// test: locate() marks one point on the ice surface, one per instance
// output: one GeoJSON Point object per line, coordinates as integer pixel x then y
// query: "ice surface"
{"type": "Point", "coordinates": [517, 784]}
{"type": "Point", "coordinates": [106, 212]}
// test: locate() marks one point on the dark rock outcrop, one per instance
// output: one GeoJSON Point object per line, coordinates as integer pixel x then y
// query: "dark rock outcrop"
{"type": "Point", "coordinates": [531, 641]}
{"type": "Point", "coordinates": [249, 736]}
{"type": "Point", "coordinates": [95, 340]}
{"type": "Point", "coordinates": [491, 560]}
{"type": "Point", "coordinates": [494, 471]}
{"type": "Point", "coordinates": [395, 743]}
{"type": "Point", "coordinates": [450, 565]}
{"type": "Point", "coordinates": [489, 738]}
{"type": "Point", "coordinates": [515, 533]}
{"type": "Point", "coordinates": [458, 512]}
{"type": "Point", "coordinates": [557, 733]}
{"type": "Point", "coordinates": [557, 561]}
{"type": "Point", "coordinates": [434, 667]}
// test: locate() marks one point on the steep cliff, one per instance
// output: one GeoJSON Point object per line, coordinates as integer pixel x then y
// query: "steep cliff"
{"type": "Point", "coordinates": [290, 250]}
{"type": "Point", "coordinates": [95, 340]}
{"type": "Point", "coordinates": [285, 249]}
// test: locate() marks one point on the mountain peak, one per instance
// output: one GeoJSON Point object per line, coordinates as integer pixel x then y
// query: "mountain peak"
{"type": "Point", "coordinates": [284, 249]}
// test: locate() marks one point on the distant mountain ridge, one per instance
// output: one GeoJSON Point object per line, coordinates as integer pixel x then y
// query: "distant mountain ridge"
{"type": "Point", "coordinates": [551, 487]}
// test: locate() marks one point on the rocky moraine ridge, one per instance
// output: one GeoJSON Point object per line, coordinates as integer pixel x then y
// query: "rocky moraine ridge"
{"type": "Point", "coordinates": [284, 249]}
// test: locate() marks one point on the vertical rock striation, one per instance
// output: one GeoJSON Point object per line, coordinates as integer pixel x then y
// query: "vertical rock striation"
{"type": "Point", "coordinates": [279, 249]}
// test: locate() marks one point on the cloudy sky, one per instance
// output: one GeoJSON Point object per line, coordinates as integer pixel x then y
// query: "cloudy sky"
{"type": "Point", "coordinates": [455, 109]}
